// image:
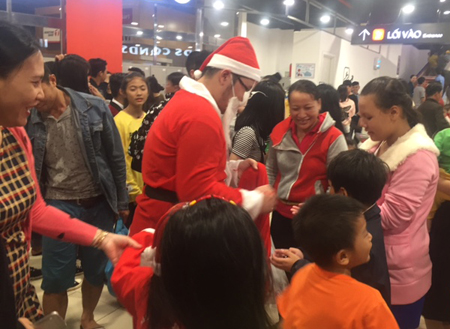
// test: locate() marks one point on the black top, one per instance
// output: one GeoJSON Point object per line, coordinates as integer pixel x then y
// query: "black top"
{"type": "Point", "coordinates": [433, 117]}
{"type": "Point", "coordinates": [375, 272]}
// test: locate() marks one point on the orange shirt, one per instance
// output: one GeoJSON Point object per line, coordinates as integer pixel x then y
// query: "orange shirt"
{"type": "Point", "coordinates": [321, 299]}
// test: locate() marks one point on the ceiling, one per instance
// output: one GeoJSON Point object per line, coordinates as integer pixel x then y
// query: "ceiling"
{"type": "Point", "coordinates": [357, 11]}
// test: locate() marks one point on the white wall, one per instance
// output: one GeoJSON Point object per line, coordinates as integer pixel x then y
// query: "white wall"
{"type": "Point", "coordinates": [273, 48]}
{"type": "Point", "coordinates": [412, 61]}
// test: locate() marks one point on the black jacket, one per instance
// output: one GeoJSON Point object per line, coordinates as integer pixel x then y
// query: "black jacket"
{"type": "Point", "coordinates": [375, 272]}
{"type": "Point", "coordinates": [433, 117]}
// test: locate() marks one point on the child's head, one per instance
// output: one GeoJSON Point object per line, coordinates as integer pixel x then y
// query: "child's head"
{"type": "Point", "coordinates": [358, 174]}
{"type": "Point", "coordinates": [213, 269]}
{"type": "Point", "coordinates": [135, 89]}
{"type": "Point", "coordinates": [332, 230]}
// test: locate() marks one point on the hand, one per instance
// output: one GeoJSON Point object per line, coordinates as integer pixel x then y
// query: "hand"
{"type": "Point", "coordinates": [270, 198]}
{"type": "Point", "coordinates": [284, 259]}
{"type": "Point", "coordinates": [296, 209]}
{"type": "Point", "coordinates": [245, 164]}
{"type": "Point", "coordinates": [114, 245]}
{"type": "Point", "coordinates": [26, 323]}
{"type": "Point", "coordinates": [94, 91]}
{"type": "Point", "coordinates": [124, 215]}
{"type": "Point", "coordinates": [60, 57]}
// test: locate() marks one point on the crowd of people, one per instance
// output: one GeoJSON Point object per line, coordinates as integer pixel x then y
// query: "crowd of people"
{"type": "Point", "coordinates": [218, 190]}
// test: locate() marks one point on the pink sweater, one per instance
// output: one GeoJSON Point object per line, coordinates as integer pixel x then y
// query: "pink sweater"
{"type": "Point", "coordinates": [405, 204]}
{"type": "Point", "coordinates": [47, 220]}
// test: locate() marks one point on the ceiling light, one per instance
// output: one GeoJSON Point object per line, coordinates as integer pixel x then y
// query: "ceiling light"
{"type": "Point", "coordinates": [216, 35]}
{"type": "Point", "coordinates": [446, 12]}
{"type": "Point", "coordinates": [161, 26]}
{"type": "Point", "coordinates": [288, 2]}
{"type": "Point", "coordinates": [134, 23]}
{"type": "Point", "coordinates": [224, 23]}
{"type": "Point", "coordinates": [349, 30]}
{"type": "Point", "coordinates": [442, 0]}
{"type": "Point", "coordinates": [158, 31]}
{"type": "Point", "coordinates": [218, 5]}
{"type": "Point", "coordinates": [325, 19]}
{"type": "Point", "coordinates": [158, 42]}
{"type": "Point", "coordinates": [138, 45]}
{"type": "Point", "coordinates": [201, 34]}
{"type": "Point", "coordinates": [182, 1]}
{"type": "Point", "coordinates": [139, 33]}
{"type": "Point", "coordinates": [264, 21]}
{"type": "Point", "coordinates": [158, 37]}
{"type": "Point", "coordinates": [408, 9]}
{"type": "Point", "coordinates": [190, 47]}
{"type": "Point", "coordinates": [179, 37]}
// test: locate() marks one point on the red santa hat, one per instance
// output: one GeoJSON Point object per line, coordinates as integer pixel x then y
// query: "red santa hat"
{"type": "Point", "coordinates": [236, 55]}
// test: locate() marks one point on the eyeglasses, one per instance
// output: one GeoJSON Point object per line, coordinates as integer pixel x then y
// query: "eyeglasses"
{"type": "Point", "coordinates": [243, 84]}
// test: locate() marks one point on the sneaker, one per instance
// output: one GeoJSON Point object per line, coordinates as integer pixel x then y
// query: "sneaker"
{"type": "Point", "coordinates": [35, 273]}
{"type": "Point", "coordinates": [75, 286]}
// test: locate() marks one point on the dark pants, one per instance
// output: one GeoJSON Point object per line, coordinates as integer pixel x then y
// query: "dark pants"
{"type": "Point", "coordinates": [281, 231]}
{"type": "Point", "coordinates": [408, 316]}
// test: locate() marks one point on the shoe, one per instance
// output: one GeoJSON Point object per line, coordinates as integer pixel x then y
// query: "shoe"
{"type": "Point", "coordinates": [75, 286]}
{"type": "Point", "coordinates": [79, 269]}
{"type": "Point", "coordinates": [35, 273]}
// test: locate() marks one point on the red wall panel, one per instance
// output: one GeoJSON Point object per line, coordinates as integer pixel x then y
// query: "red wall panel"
{"type": "Point", "coordinates": [94, 29]}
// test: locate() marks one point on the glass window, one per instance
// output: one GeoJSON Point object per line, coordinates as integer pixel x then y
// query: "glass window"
{"type": "Point", "coordinates": [48, 8]}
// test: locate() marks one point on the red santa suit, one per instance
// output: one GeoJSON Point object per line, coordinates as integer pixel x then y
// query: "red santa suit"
{"type": "Point", "coordinates": [186, 153]}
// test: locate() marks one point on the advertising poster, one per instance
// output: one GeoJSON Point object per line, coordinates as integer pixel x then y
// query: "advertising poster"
{"type": "Point", "coordinates": [305, 71]}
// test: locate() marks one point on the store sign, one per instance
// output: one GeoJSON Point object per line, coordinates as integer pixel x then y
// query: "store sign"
{"type": "Point", "coordinates": [149, 51]}
{"type": "Point", "coordinates": [52, 35]}
{"type": "Point", "coordinates": [402, 34]}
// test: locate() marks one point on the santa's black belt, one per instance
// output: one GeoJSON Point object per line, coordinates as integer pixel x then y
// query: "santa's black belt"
{"type": "Point", "coordinates": [161, 194]}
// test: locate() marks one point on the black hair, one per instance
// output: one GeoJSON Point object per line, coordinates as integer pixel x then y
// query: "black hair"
{"type": "Point", "coordinates": [213, 270]}
{"type": "Point", "coordinates": [325, 225]}
{"type": "Point", "coordinates": [136, 69]}
{"type": "Point", "coordinates": [343, 92]}
{"type": "Point", "coordinates": [129, 77]}
{"type": "Point", "coordinates": [73, 73]}
{"type": "Point", "coordinates": [412, 75]}
{"type": "Point", "coordinates": [53, 67]}
{"type": "Point", "coordinates": [263, 112]}
{"type": "Point", "coordinates": [330, 103]}
{"type": "Point", "coordinates": [195, 60]}
{"type": "Point", "coordinates": [390, 92]}
{"type": "Point", "coordinates": [362, 174]}
{"type": "Point", "coordinates": [433, 88]}
{"type": "Point", "coordinates": [47, 72]}
{"type": "Point", "coordinates": [16, 45]}
{"type": "Point", "coordinates": [175, 78]}
{"type": "Point", "coordinates": [421, 80]}
{"type": "Point", "coordinates": [355, 83]}
{"type": "Point", "coordinates": [115, 82]}
{"type": "Point", "coordinates": [97, 65]}
{"type": "Point", "coordinates": [347, 83]}
{"type": "Point", "coordinates": [304, 86]}
{"type": "Point", "coordinates": [276, 77]}
{"type": "Point", "coordinates": [153, 84]}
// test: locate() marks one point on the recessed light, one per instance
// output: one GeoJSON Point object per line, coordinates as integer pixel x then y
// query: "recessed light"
{"type": "Point", "coordinates": [325, 19]}
{"type": "Point", "coordinates": [408, 9]}
{"type": "Point", "coordinates": [158, 37]}
{"type": "Point", "coordinates": [182, 1]}
{"type": "Point", "coordinates": [158, 42]}
{"type": "Point", "coordinates": [179, 37]}
{"type": "Point", "coordinates": [218, 5]}
{"type": "Point", "coordinates": [288, 2]}
{"type": "Point", "coordinates": [224, 23]}
{"type": "Point", "coordinates": [190, 47]}
{"type": "Point", "coordinates": [134, 23]}
{"type": "Point", "coordinates": [442, 0]}
{"type": "Point", "coordinates": [349, 30]}
{"type": "Point", "coordinates": [138, 45]}
{"type": "Point", "coordinates": [216, 35]}
{"type": "Point", "coordinates": [201, 34]}
{"type": "Point", "coordinates": [139, 33]}
{"type": "Point", "coordinates": [161, 26]}
{"type": "Point", "coordinates": [446, 12]}
{"type": "Point", "coordinates": [264, 21]}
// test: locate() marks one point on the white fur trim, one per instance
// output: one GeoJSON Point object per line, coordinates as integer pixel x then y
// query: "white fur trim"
{"type": "Point", "coordinates": [252, 201]}
{"type": "Point", "coordinates": [231, 170]}
{"type": "Point", "coordinates": [148, 259]}
{"type": "Point", "coordinates": [197, 74]}
{"type": "Point", "coordinates": [224, 62]}
{"type": "Point", "coordinates": [414, 140]}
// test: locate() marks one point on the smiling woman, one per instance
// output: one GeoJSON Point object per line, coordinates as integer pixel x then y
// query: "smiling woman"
{"type": "Point", "coordinates": [21, 203]}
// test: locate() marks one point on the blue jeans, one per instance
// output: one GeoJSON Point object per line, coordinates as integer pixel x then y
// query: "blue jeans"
{"type": "Point", "coordinates": [59, 258]}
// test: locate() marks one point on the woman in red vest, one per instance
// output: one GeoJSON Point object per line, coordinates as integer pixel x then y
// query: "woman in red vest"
{"type": "Point", "coordinates": [301, 148]}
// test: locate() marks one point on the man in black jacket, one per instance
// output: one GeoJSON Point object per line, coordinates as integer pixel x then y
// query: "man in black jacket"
{"type": "Point", "coordinates": [432, 111]}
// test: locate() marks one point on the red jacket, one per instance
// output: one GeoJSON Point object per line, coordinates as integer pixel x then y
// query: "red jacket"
{"type": "Point", "coordinates": [298, 170]}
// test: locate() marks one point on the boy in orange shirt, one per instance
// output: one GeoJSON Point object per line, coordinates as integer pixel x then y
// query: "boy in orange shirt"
{"type": "Point", "coordinates": [332, 230]}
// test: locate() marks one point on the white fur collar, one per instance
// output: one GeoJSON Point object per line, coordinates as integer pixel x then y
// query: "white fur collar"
{"type": "Point", "coordinates": [414, 140]}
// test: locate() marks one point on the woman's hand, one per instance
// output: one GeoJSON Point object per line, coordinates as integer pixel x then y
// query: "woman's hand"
{"type": "Point", "coordinates": [270, 198]}
{"type": "Point", "coordinates": [284, 259]}
{"type": "Point", "coordinates": [26, 323]}
{"type": "Point", "coordinates": [114, 245]}
{"type": "Point", "coordinates": [94, 91]}
{"type": "Point", "coordinates": [295, 209]}
{"type": "Point", "coordinates": [245, 164]}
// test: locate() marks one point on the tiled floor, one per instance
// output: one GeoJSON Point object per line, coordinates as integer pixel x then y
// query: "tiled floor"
{"type": "Point", "coordinates": [109, 313]}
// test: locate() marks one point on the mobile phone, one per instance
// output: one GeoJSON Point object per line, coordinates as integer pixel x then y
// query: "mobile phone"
{"type": "Point", "coordinates": [51, 321]}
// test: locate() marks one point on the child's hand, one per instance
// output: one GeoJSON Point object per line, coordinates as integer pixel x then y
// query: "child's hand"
{"type": "Point", "coordinates": [295, 210]}
{"type": "Point", "coordinates": [285, 258]}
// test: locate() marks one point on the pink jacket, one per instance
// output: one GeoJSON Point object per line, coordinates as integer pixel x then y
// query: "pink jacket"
{"type": "Point", "coordinates": [47, 220]}
{"type": "Point", "coordinates": [405, 204]}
